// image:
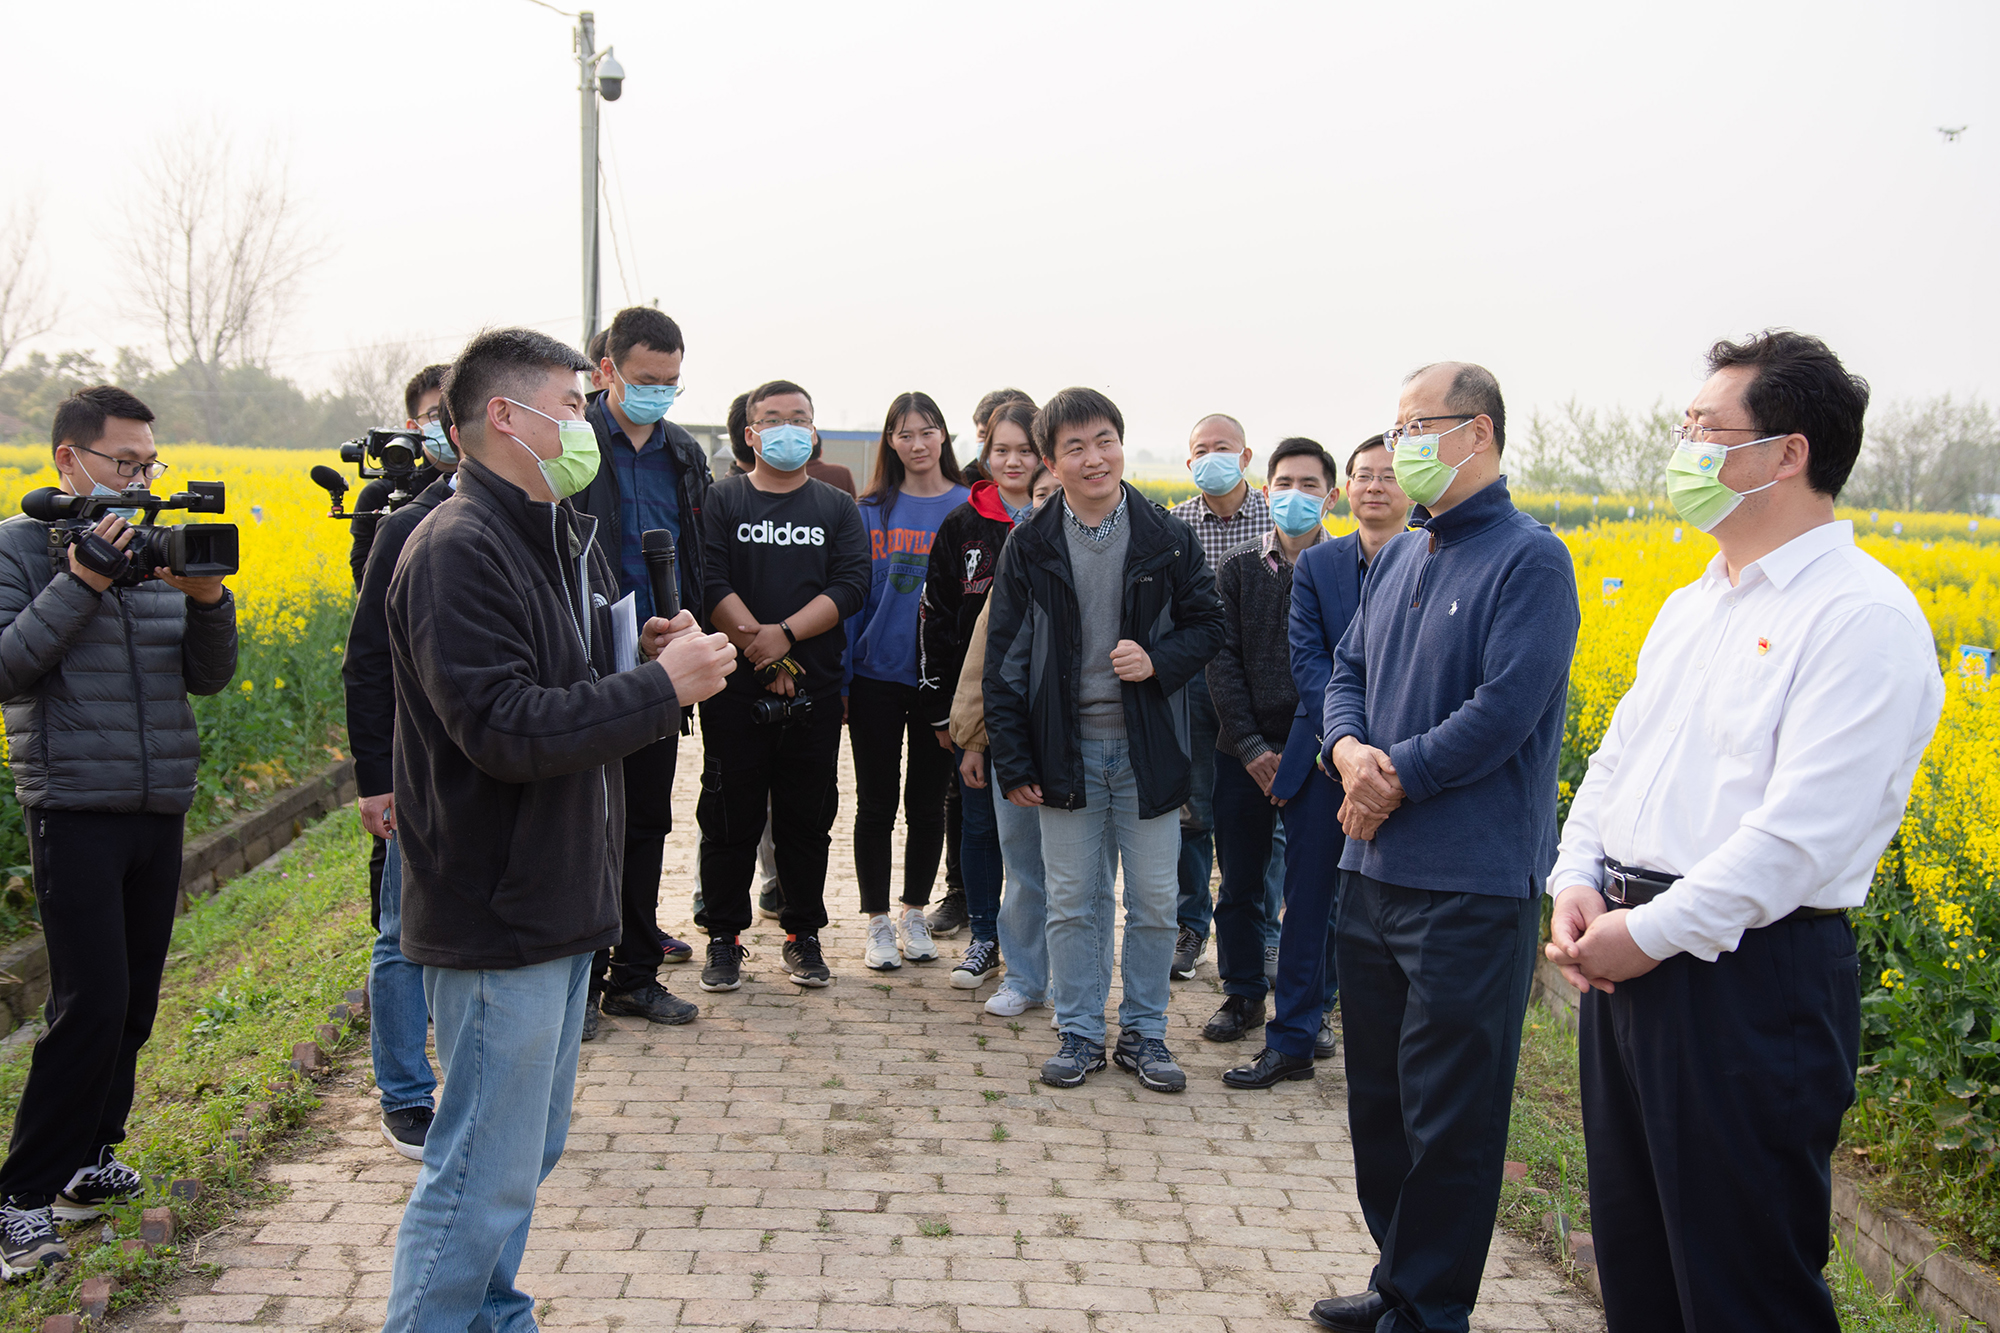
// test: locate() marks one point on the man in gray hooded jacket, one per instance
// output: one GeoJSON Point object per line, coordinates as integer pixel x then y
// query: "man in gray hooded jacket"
{"type": "Point", "coordinates": [103, 746]}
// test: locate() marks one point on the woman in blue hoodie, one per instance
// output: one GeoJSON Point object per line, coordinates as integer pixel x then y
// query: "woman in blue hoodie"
{"type": "Point", "coordinates": [915, 485]}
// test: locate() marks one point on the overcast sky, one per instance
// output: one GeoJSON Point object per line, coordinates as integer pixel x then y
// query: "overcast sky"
{"type": "Point", "coordinates": [1272, 210]}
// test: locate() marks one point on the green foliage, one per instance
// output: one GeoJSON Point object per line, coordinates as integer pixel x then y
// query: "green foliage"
{"type": "Point", "coordinates": [1926, 1117]}
{"type": "Point", "coordinates": [250, 971]}
{"type": "Point", "coordinates": [255, 405]}
{"type": "Point", "coordinates": [1546, 1130]}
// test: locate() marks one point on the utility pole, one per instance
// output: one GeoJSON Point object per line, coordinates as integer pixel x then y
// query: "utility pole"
{"type": "Point", "coordinates": [586, 53]}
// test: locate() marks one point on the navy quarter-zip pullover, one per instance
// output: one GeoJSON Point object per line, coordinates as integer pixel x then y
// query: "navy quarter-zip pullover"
{"type": "Point", "coordinates": [1457, 665]}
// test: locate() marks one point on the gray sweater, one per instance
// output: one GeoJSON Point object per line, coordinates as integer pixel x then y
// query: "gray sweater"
{"type": "Point", "coordinates": [1250, 680]}
{"type": "Point", "coordinates": [1099, 568]}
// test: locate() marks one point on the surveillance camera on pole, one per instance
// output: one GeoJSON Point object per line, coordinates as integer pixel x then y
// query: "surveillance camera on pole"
{"type": "Point", "coordinates": [599, 74]}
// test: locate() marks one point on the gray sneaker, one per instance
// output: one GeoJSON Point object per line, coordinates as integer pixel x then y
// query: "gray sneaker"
{"type": "Point", "coordinates": [1149, 1059]}
{"type": "Point", "coordinates": [1077, 1059]}
{"type": "Point", "coordinates": [1188, 946]}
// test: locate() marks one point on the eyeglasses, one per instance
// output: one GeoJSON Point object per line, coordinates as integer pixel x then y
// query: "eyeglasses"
{"type": "Point", "coordinates": [1371, 479]}
{"type": "Point", "coordinates": [1689, 433]}
{"type": "Point", "coordinates": [796, 419]}
{"type": "Point", "coordinates": [130, 471]}
{"type": "Point", "coordinates": [430, 418]}
{"type": "Point", "coordinates": [1415, 427]}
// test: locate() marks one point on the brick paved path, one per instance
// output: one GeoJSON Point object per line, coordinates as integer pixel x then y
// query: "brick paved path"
{"type": "Point", "coordinates": [875, 1156]}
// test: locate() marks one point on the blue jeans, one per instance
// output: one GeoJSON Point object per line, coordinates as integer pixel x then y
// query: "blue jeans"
{"type": "Point", "coordinates": [1195, 909]}
{"type": "Point", "coordinates": [1024, 908]}
{"type": "Point", "coordinates": [1082, 911]}
{"type": "Point", "coordinates": [398, 1016]}
{"type": "Point", "coordinates": [507, 1039]}
{"type": "Point", "coordinates": [1250, 845]}
{"type": "Point", "coordinates": [979, 856]}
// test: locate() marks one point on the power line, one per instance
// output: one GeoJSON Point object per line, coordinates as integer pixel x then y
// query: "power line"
{"type": "Point", "coordinates": [618, 180]}
{"type": "Point", "coordinates": [611, 220]}
{"type": "Point", "coordinates": [551, 8]}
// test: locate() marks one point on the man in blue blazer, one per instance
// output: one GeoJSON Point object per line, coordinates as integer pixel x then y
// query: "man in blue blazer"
{"type": "Point", "coordinates": [1326, 590]}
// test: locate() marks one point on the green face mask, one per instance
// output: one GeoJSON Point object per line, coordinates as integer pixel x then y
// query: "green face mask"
{"type": "Point", "coordinates": [1419, 471]}
{"type": "Point", "coordinates": [576, 466]}
{"type": "Point", "coordinates": [1694, 482]}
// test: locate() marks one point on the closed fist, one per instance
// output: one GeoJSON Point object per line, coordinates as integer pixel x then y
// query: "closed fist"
{"type": "Point", "coordinates": [697, 664]}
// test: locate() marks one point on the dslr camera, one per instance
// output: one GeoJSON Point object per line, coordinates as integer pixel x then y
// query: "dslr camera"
{"type": "Point", "coordinates": [778, 711]}
{"type": "Point", "coordinates": [196, 550]}
{"type": "Point", "coordinates": [395, 454]}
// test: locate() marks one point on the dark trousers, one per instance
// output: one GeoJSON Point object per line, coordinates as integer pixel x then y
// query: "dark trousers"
{"type": "Point", "coordinates": [649, 818]}
{"type": "Point", "coordinates": [106, 886]}
{"type": "Point", "coordinates": [1712, 1099]}
{"type": "Point", "coordinates": [880, 715]}
{"type": "Point", "coordinates": [747, 768]}
{"type": "Point", "coordinates": [984, 866]}
{"type": "Point", "coordinates": [1243, 818]}
{"type": "Point", "coordinates": [378, 857]}
{"type": "Point", "coordinates": [1308, 975]}
{"type": "Point", "coordinates": [1433, 990]}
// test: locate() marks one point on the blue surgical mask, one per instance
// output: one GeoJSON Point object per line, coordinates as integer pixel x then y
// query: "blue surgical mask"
{"type": "Point", "coordinates": [1295, 512]}
{"type": "Point", "coordinates": [785, 447]}
{"type": "Point", "coordinates": [99, 488]}
{"type": "Point", "coordinates": [1218, 473]}
{"type": "Point", "coordinates": [438, 444]}
{"type": "Point", "coordinates": [643, 404]}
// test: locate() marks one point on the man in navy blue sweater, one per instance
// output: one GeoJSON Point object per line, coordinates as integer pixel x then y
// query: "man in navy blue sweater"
{"type": "Point", "coordinates": [1443, 717]}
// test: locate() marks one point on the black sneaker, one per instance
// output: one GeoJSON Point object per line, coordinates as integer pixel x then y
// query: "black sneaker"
{"type": "Point", "coordinates": [406, 1130]}
{"type": "Point", "coordinates": [107, 1180]}
{"type": "Point", "coordinates": [982, 960]}
{"type": "Point", "coordinates": [725, 964]}
{"type": "Point", "coordinates": [590, 1016]}
{"type": "Point", "coordinates": [805, 962]}
{"type": "Point", "coordinates": [673, 950]}
{"type": "Point", "coordinates": [28, 1241]}
{"type": "Point", "coordinates": [949, 916]}
{"type": "Point", "coordinates": [652, 1002]}
{"type": "Point", "coordinates": [771, 902]}
{"type": "Point", "coordinates": [1187, 952]}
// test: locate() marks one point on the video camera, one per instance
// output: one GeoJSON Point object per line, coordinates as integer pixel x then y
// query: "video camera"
{"type": "Point", "coordinates": [395, 454]}
{"type": "Point", "coordinates": [196, 550]}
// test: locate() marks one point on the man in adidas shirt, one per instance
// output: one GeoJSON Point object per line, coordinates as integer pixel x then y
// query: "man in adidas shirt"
{"type": "Point", "coordinates": [784, 562]}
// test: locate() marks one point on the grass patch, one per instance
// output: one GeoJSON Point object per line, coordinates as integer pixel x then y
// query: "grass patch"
{"type": "Point", "coordinates": [250, 971]}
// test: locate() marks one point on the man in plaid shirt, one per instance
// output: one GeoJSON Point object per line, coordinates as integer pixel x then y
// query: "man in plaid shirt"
{"type": "Point", "coordinates": [1225, 511]}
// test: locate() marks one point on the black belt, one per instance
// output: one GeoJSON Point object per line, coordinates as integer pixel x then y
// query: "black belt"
{"type": "Point", "coordinates": [1633, 886]}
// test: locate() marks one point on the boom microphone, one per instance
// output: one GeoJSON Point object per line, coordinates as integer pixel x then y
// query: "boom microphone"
{"type": "Point", "coordinates": [330, 480]}
{"type": "Point", "coordinates": [657, 546]}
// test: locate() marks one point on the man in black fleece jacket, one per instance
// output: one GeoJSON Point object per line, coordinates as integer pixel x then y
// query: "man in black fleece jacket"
{"type": "Point", "coordinates": [512, 719]}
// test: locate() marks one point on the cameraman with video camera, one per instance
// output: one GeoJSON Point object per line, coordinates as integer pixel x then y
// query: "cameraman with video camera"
{"type": "Point", "coordinates": [423, 399]}
{"type": "Point", "coordinates": [399, 1017]}
{"type": "Point", "coordinates": [96, 672]}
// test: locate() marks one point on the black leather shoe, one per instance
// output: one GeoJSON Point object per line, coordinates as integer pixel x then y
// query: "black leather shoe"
{"type": "Point", "coordinates": [1238, 1014]}
{"type": "Point", "coordinates": [1328, 1040]}
{"type": "Point", "coordinates": [590, 1018]}
{"type": "Point", "coordinates": [1268, 1068]}
{"type": "Point", "coordinates": [1350, 1314]}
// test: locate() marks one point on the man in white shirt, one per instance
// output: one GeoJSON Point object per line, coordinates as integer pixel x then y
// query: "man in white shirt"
{"type": "Point", "coordinates": [1743, 792]}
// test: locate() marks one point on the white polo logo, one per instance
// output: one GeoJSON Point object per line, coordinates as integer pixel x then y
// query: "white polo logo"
{"type": "Point", "coordinates": [1454, 607]}
{"type": "Point", "coordinates": [768, 533]}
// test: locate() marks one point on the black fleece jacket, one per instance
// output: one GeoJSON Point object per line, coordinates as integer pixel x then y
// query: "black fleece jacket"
{"type": "Point", "coordinates": [510, 725]}
{"type": "Point", "coordinates": [366, 672]}
{"type": "Point", "coordinates": [1033, 656]}
{"type": "Point", "coordinates": [963, 558]}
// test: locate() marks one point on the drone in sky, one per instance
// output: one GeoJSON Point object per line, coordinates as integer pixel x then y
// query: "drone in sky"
{"type": "Point", "coordinates": [1951, 135]}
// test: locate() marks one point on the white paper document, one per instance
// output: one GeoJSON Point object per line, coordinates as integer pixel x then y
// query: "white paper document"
{"type": "Point", "coordinates": [625, 632]}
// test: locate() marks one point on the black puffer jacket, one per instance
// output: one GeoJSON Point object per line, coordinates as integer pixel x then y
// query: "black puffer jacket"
{"type": "Point", "coordinates": [97, 684]}
{"type": "Point", "coordinates": [510, 722]}
{"type": "Point", "coordinates": [1034, 649]}
{"type": "Point", "coordinates": [365, 671]}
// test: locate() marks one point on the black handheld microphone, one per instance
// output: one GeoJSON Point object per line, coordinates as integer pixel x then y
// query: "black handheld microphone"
{"type": "Point", "coordinates": [657, 546]}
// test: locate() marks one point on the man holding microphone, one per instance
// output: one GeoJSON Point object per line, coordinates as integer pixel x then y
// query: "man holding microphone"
{"type": "Point", "coordinates": [1734, 811]}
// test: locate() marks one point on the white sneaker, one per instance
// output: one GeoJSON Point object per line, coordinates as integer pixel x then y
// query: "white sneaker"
{"type": "Point", "coordinates": [882, 954]}
{"type": "Point", "coordinates": [916, 933]}
{"type": "Point", "coordinates": [1007, 1002]}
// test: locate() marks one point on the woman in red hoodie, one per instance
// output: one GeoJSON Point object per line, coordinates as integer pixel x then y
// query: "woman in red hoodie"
{"type": "Point", "coordinates": [963, 559]}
